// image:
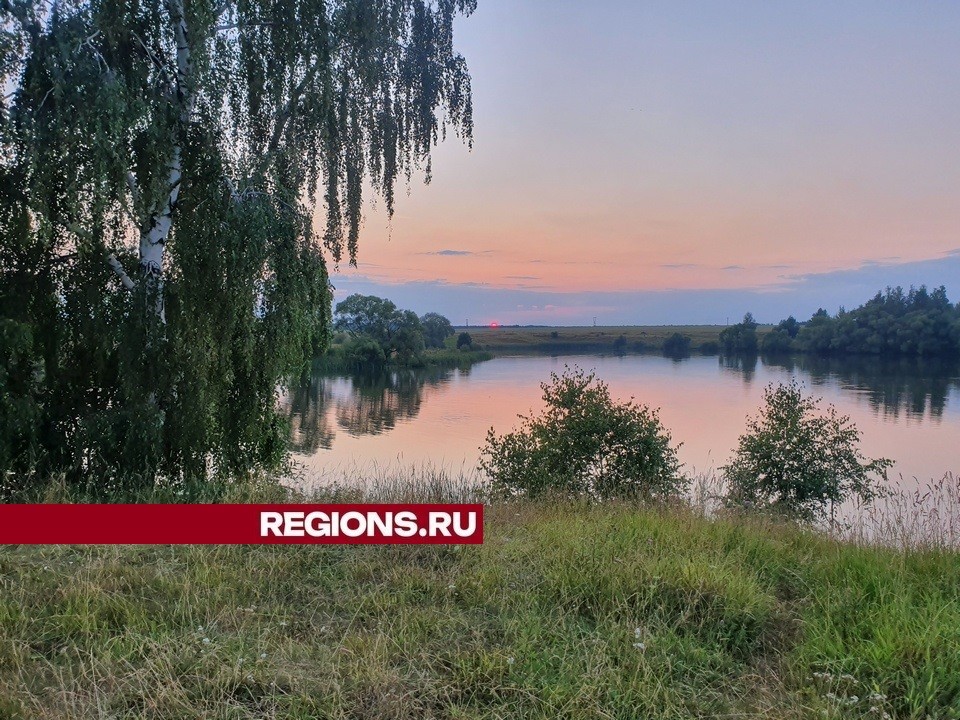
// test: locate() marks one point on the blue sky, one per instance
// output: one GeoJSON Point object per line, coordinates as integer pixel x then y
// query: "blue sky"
{"type": "Point", "coordinates": [674, 162]}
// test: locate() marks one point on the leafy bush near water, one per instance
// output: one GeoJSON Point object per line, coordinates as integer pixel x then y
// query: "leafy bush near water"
{"type": "Point", "coordinates": [799, 460]}
{"type": "Point", "coordinates": [584, 444]}
{"type": "Point", "coordinates": [677, 346]}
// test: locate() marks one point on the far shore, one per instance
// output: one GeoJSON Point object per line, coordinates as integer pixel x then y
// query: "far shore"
{"type": "Point", "coordinates": [563, 339]}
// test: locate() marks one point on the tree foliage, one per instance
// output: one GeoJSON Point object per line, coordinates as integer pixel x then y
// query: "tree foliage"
{"type": "Point", "coordinates": [371, 319]}
{"type": "Point", "coordinates": [892, 323]}
{"type": "Point", "coordinates": [740, 338]}
{"type": "Point", "coordinates": [799, 460]}
{"type": "Point", "coordinates": [436, 329]}
{"type": "Point", "coordinates": [780, 339]}
{"type": "Point", "coordinates": [160, 166]}
{"type": "Point", "coordinates": [677, 346]}
{"type": "Point", "coordinates": [584, 443]}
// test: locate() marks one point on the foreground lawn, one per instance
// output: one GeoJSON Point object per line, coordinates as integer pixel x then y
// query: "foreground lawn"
{"type": "Point", "coordinates": [564, 612]}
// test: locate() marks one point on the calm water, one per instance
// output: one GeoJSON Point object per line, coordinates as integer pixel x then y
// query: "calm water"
{"type": "Point", "coordinates": [907, 411]}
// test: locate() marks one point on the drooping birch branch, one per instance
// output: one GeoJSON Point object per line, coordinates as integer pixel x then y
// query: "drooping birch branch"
{"type": "Point", "coordinates": [118, 269]}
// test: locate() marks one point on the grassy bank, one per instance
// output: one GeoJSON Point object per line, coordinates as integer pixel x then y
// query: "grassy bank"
{"type": "Point", "coordinates": [336, 360]}
{"type": "Point", "coordinates": [561, 340]}
{"type": "Point", "coordinates": [566, 611]}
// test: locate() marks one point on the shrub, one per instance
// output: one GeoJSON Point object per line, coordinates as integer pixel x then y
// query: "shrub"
{"type": "Point", "coordinates": [740, 338]}
{"type": "Point", "coordinates": [464, 341]}
{"type": "Point", "coordinates": [584, 444]}
{"type": "Point", "coordinates": [620, 344]}
{"type": "Point", "coordinates": [364, 352]}
{"type": "Point", "coordinates": [676, 346]}
{"type": "Point", "coordinates": [800, 461]}
{"type": "Point", "coordinates": [777, 342]}
{"type": "Point", "coordinates": [710, 347]}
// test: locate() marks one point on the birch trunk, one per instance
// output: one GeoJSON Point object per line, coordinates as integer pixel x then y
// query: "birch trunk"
{"type": "Point", "coordinates": [153, 237]}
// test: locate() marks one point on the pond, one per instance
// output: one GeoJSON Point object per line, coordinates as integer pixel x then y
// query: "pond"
{"type": "Point", "coordinates": [908, 411]}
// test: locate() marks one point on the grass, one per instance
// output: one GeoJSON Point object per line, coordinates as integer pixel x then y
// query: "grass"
{"type": "Point", "coordinates": [566, 611]}
{"type": "Point", "coordinates": [588, 339]}
{"type": "Point", "coordinates": [335, 360]}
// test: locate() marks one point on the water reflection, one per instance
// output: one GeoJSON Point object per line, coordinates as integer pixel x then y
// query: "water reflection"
{"type": "Point", "coordinates": [305, 406]}
{"type": "Point", "coordinates": [361, 403]}
{"type": "Point", "coordinates": [914, 387]}
{"type": "Point", "coordinates": [908, 410]}
{"type": "Point", "coordinates": [743, 365]}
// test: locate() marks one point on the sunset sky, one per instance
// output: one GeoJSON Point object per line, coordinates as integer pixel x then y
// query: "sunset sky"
{"type": "Point", "coordinates": [665, 162]}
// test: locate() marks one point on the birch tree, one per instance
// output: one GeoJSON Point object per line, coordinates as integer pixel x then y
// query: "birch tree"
{"type": "Point", "coordinates": [175, 176]}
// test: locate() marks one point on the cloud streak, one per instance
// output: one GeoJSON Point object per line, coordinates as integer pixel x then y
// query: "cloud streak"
{"type": "Point", "coordinates": [800, 296]}
{"type": "Point", "coordinates": [456, 253]}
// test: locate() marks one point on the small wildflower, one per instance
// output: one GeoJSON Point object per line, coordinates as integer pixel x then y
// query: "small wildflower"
{"type": "Point", "coordinates": [640, 646]}
{"type": "Point", "coordinates": [263, 655]}
{"type": "Point", "coordinates": [510, 660]}
{"type": "Point", "coordinates": [206, 641]}
{"type": "Point", "coordinates": [637, 632]}
{"type": "Point", "coordinates": [283, 623]}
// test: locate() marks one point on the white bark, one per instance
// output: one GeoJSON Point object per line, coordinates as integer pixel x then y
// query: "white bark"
{"type": "Point", "coordinates": [152, 241]}
{"type": "Point", "coordinates": [118, 269]}
{"type": "Point", "coordinates": [153, 238]}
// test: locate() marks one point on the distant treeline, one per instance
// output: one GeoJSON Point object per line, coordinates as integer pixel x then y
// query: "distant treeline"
{"type": "Point", "coordinates": [892, 323]}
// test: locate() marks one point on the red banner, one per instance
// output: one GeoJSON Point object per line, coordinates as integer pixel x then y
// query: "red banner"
{"type": "Point", "coordinates": [433, 524]}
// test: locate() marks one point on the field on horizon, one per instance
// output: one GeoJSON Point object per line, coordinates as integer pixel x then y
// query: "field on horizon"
{"type": "Point", "coordinates": [542, 338]}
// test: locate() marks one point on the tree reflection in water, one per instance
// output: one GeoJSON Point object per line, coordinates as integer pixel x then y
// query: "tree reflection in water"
{"type": "Point", "coordinates": [368, 403]}
{"type": "Point", "coordinates": [305, 406]}
{"type": "Point", "coordinates": [915, 387]}
{"type": "Point", "coordinates": [745, 365]}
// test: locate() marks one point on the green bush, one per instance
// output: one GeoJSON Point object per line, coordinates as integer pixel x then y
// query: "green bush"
{"type": "Point", "coordinates": [584, 444]}
{"type": "Point", "coordinates": [364, 352]}
{"type": "Point", "coordinates": [776, 342]}
{"type": "Point", "coordinates": [677, 346]}
{"type": "Point", "coordinates": [740, 338]}
{"type": "Point", "coordinates": [798, 460]}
